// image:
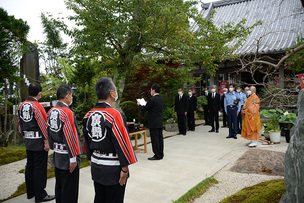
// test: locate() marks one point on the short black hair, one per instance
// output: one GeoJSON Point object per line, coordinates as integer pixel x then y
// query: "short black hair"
{"type": "Point", "coordinates": [180, 88]}
{"type": "Point", "coordinates": [231, 84]}
{"type": "Point", "coordinates": [63, 90]}
{"type": "Point", "coordinates": [34, 89]}
{"type": "Point", "coordinates": [103, 87]}
{"type": "Point", "coordinates": [156, 87]}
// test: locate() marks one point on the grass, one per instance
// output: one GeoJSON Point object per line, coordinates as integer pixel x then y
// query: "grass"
{"type": "Point", "coordinates": [264, 192]}
{"type": "Point", "coordinates": [196, 191]}
{"type": "Point", "coordinates": [50, 174]}
{"type": "Point", "coordinates": [11, 154]}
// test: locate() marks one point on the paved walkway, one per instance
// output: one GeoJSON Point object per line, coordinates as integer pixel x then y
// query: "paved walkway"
{"type": "Point", "coordinates": [188, 160]}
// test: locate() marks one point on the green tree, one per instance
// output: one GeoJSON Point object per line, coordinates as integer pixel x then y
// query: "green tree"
{"type": "Point", "coordinates": [13, 34]}
{"type": "Point", "coordinates": [53, 47]}
{"type": "Point", "coordinates": [296, 61]}
{"type": "Point", "coordinates": [123, 34]}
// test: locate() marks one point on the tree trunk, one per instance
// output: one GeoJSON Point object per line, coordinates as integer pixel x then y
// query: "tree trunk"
{"type": "Point", "coordinates": [120, 82]}
{"type": "Point", "coordinates": [5, 108]}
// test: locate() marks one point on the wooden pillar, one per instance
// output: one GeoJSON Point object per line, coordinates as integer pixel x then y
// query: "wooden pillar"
{"type": "Point", "coordinates": [281, 76]}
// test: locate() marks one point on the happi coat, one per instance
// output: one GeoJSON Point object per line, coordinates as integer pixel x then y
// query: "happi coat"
{"type": "Point", "coordinates": [107, 143]}
{"type": "Point", "coordinates": [64, 136]}
{"type": "Point", "coordinates": [32, 124]}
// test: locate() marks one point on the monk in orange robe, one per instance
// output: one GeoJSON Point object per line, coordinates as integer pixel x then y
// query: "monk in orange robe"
{"type": "Point", "coordinates": [251, 124]}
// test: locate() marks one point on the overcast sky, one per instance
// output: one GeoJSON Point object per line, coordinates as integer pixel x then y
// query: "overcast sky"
{"type": "Point", "coordinates": [30, 10]}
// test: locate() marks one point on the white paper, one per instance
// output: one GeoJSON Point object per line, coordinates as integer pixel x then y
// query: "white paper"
{"type": "Point", "coordinates": [141, 101]}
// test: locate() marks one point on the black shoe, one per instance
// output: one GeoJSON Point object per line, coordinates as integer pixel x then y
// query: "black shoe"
{"type": "Point", "coordinates": [210, 131]}
{"type": "Point", "coordinates": [229, 137]}
{"type": "Point", "coordinates": [46, 198]}
{"type": "Point", "coordinates": [184, 134]}
{"type": "Point", "coordinates": [30, 196]}
{"type": "Point", "coordinates": [217, 131]}
{"type": "Point", "coordinates": [235, 137]}
{"type": "Point", "coordinates": [153, 158]}
{"type": "Point", "coordinates": [224, 126]}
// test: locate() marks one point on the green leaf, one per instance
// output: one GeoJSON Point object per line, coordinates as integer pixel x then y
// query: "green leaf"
{"type": "Point", "coordinates": [279, 110]}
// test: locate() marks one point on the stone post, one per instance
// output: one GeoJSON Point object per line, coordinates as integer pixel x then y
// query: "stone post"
{"type": "Point", "coordinates": [29, 66]}
{"type": "Point", "coordinates": [294, 159]}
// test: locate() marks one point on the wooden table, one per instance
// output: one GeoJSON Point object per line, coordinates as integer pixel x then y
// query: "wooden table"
{"type": "Point", "coordinates": [145, 140]}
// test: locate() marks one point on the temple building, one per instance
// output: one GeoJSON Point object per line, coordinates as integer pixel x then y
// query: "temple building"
{"type": "Point", "coordinates": [282, 24]}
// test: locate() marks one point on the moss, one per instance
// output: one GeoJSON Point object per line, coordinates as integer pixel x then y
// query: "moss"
{"type": "Point", "coordinates": [11, 154]}
{"type": "Point", "coordinates": [197, 190]}
{"type": "Point", "coordinates": [264, 192]}
{"type": "Point", "coordinates": [22, 171]}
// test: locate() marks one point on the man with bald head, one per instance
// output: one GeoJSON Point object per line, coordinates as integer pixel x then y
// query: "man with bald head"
{"type": "Point", "coordinates": [251, 125]}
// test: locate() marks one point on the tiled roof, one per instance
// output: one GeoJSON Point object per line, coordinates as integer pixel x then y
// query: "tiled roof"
{"type": "Point", "coordinates": [282, 22]}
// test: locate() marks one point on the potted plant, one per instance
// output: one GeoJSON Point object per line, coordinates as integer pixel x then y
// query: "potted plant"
{"type": "Point", "coordinates": [287, 121]}
{"type": "Point", "coordinates": [273, 125]}
{"type": "Point", "coordinates": [266, 131]}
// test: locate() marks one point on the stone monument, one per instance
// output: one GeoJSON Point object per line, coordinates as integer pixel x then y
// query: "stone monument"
{"type": "Point", "coordinates": [29, 66]}
{"type": "Point", "coordinates": [294, 159]}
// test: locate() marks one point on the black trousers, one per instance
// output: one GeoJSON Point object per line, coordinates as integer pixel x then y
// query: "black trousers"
{"type": "Point", "coordinates": [157, 140]}
{"type": "Point", "coordinates": [35, 174]}
{"type": "Point", "coordinates": [225, 119]}
{"type": "Point", "coordinates": [181, 120]}
{"type": "Point", "coordinates": [67, 185]}
{"type": "Point", "coordinates": [232, 121]}
{"type": "Point", "coordinates": [206, 116]}
{"type": "Point", "coordinates": [214, 117]}
{"type": "Point", "coordinates": [191, 121]}
{"type": "Point", "coordinates": [240, 120]}
{"type": "Point", "coordinates": [109, 193]}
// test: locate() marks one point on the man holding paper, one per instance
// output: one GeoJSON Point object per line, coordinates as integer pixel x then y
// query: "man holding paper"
{"type": "Point", "coordinates": [155, 106]}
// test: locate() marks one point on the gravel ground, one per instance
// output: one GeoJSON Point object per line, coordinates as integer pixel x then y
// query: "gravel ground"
{"type": "Point", "coordinates": [232, 182]}
{"type": "Point", "coordinates": [11, 178]}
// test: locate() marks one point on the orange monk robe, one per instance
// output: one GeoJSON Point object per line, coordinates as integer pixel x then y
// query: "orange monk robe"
{"type": "Point", "coordinates": [251, 124]}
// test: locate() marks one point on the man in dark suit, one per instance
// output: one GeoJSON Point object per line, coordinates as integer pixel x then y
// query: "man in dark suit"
{"type": "Point", "coordinates": [214, 108]}
{"type": "Point", "coordinates": [181, 109]}
{"type": "Point", "coordinates": [205, 107]}
{"type": "Point", "coordinates": [225, 90]}
{"type": "Point", "coordinates": [191, 110]}
{"type": "Point", "coordinates": [155, 106]}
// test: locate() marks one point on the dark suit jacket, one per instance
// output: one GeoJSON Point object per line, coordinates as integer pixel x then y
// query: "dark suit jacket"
{"type": "Point", "coordinates": [214, 103]}
{"type": "Point", "coordinates": [154, 106]}
{"type": "Point", "coordinates": [222, 102]}
{"type": "Point", "coordinates": [181, 106]}
{"type": "Point", "coordinates": [192, 104]}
